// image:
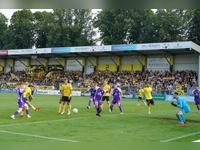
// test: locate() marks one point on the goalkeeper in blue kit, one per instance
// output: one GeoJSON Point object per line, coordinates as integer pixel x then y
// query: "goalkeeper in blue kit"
{"type": "Point", "coordinates": [184, 108]}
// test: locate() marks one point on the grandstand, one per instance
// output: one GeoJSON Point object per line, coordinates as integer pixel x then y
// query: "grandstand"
{"type": "Point", "coordinates": [168, 66]}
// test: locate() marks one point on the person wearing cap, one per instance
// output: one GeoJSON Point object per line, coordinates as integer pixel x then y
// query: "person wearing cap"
{"type": "Point", "coordinates": [184, 108]}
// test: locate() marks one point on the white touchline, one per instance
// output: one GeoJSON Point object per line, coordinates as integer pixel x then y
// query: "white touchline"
{"type": "Point", "coordinates": [46, 121]}
{"type": "Point", "coordinates": [197, 141]}
{"type": "Point", "coordinates": [37, 136]}
{"type": "Point", "coordinates": [180, 137]}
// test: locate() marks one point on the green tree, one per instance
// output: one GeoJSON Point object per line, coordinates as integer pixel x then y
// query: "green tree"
{"type": "Point", "coordinates": [170, 25]}
{"type": "Point", "coordinates": [3, 30]}
{"type": "Point", "coordinates": [113, 26]}
{"type": "Point", "coordinates": [71, 27]}
{"type": "Point", "coordinates": [141, 26]}
{"type": "Point", "coordinates": [42, 28]}
{"type": "Point", "coordinates": [21, 30]}
{"type": "Point", "coordinates": [120, 26]}
{"type": "Point", "coordinates": [193, 33]}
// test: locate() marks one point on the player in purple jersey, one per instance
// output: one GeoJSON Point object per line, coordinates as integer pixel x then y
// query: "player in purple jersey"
{"type": "Point", "coordinates": [196, 94]}
{"type": "Point", "coordinates": [92, 91]}
{"type": "Point", "coordinates": [117, 96]}
{"type": "Point", "coordinates": [21, 103]}
{"type": "Point", "coordinates": [97, 99]}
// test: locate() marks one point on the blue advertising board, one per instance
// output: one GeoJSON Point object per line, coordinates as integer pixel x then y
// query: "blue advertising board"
{"type": "Point", "coordinates": [7, 90]}
{"type": "Point", "coordinates": [61, 50]}
{"type": "Point", "coordinates": [124, 47]}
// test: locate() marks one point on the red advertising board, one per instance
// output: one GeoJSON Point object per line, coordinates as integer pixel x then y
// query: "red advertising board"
{"type": "Point", "coordinates": [3, 52]}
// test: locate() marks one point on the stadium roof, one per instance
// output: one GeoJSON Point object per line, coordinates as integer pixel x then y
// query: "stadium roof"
{"type": "Point", "coordinates": [167, 48]}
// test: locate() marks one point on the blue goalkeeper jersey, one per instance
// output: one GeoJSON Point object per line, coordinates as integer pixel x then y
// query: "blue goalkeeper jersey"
{"type": "Point", "coordinates": [182, 103]}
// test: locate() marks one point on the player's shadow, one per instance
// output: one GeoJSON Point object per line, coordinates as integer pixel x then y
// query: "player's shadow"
{"type": "Point", "coordinates": [174, 119]}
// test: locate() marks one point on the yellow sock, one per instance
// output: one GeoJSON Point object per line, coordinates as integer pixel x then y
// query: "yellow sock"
{"type": "Point", "coordinates": [32, 107]}
{"type": "Point", "coordinates": [149, 108]}
{"type": "Point", "coordinates": [64, 106]}
{"type": "Point", "coordinates": [102, 106]}
{"type": "Point", "coordinates": [60, 106]}
{"type": "Point", "coordinates": [22, 112]}
{"type": "Point", "coordinates": [69, 108]}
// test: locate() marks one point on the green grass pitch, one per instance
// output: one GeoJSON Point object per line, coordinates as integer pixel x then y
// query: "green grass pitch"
{"type": "Point", "coordinates": [135, 125]}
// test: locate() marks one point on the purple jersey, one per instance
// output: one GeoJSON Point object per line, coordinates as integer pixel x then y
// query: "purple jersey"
{"type": "Point", "coordinates": [116, 93]}
{"type": "Point", "coordinates": [196, 94]}
{"type": "Point", "coordinates": [21, 102]}
{"type": "Point", "coordinates": [92, 91]}
{"type": "Point", "coordinates": [98, 95]}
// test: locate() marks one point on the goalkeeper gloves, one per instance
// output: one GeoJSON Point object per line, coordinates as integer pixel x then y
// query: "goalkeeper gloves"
{"type": "Point", "coordinates": [172, 103]}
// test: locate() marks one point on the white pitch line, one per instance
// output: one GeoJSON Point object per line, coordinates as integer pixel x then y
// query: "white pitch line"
{"type": "Point", "coordinates": [196, 141]}
{"type": "Point", "coordinates": [39, 122]}
{"type": "Point", "coordinates": [37, 136]}
{"type": "Point", "coordinates": [49, 121]}
{"type": "Point", "coordinates": [180, 137]}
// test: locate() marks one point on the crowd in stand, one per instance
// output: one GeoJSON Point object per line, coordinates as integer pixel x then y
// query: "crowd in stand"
{"type": "Point", "coordinates": [162, 82]}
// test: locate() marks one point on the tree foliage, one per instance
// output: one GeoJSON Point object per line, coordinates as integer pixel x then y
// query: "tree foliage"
{"type": "Point", "coordinates": [42, 28]}
{"type": "Point", "coordinates": [79, 27]}
{"type": "Point", "coordinates": [21, 30]}
{"type": "Point", "coordinates": [194, 26]}
{"type": "Point", "coordinates": [3, 30]}
{"type": "Point", "coordinates": [71, 27]}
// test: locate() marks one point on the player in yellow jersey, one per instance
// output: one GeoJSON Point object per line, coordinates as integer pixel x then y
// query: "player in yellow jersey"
{"type": "Point", "coordinates": [106, 95]}
{"type": "Point", "coordinates": [27, 95]}
{"type": "Point", "coordinates": [140, 97]}
{"type": "Point", "coordinates": [66, 93]}
{"type": "Point", "coordinates": [148, 94]}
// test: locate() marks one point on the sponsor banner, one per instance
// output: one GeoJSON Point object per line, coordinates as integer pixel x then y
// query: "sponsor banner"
{"type": "Point", "coordinates": [157, 63]}
{"type": "Point", "coordinates": [85, 94]}
{"type": "Point", "coordinates": [186, 98]}
{"type": "Point", "coordinates": [169, 45]}
{"type": "Point", "coordinates": [61, 50]}
{"type": "Point", "coordinates": [123, 47]}
{"type": "Point", "coordinates": [102, 48]}
{"type": "Point", "coordinates": [74, 65]}
{"type": "Point", "coordinates": [3, 52]}
{"type": "Point", "coordinates": [154, 96]}
{"type": "Point", "coordinates": [21, 51]}
{"type": "Point", "coordinates": [42, 50]}
{"type": "Point", "coordinates": [55, 92]}
{"type": "Point", "coordinates": [127, 96]}
{"type": "Point", "coordinates": [91, 48]}
{"type": "Point", "coordinates": [7, 90]}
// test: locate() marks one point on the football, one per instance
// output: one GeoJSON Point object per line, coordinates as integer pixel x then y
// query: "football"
{"type": "Point", "coordinates": [75, 110]}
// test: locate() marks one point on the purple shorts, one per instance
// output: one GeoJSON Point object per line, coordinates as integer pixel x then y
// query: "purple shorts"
{"type": "Point", "coordinates": [197, 101]}
{"type": "Point", "coordinates": [115, 101]}
{"type": "Point", "coordinates": [98, 101]}
{"type": "Point", "coordinates": [92, 97]}
{"type": "Point", "coordinates": [21, 104]}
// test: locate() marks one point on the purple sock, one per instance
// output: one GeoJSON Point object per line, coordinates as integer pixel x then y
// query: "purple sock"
{"type": "Point", "coordinates": [96, 107]}
{"type": "Point", "coordinates": [120, 108]}
{"type": "Point", "coordinates": [16, 113]}
{"type": "Point", "coordinates": [27, 111]}
{"type": "Point", "coordinates": [89, 103]}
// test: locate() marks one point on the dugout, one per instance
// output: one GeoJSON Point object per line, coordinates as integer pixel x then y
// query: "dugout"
{"type": "Point", "coordinates": [147, 56]}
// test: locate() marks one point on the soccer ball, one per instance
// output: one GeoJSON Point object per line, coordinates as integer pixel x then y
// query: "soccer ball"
{"type": "Point", "coordinates": [75, 110]}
